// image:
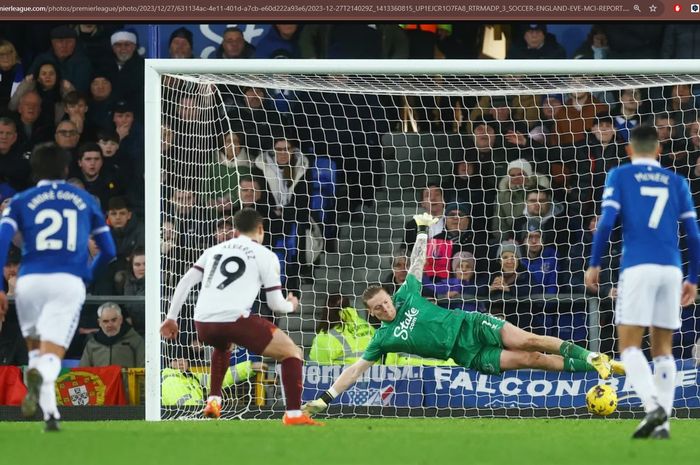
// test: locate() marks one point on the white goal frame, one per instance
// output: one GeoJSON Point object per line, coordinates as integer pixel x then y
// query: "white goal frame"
{"type": "Point", "coordinates": [155, 69]}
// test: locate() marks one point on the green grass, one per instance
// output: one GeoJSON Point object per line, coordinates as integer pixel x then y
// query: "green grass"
{"type": "Point", "coordinates": [347, 441]}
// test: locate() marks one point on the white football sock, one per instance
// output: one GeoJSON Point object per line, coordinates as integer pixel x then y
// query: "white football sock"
{"type": "Point", "coordinates": [49, 365]}
{"type": "Point", "coordinates": [293, 413]}
{"type": "Point", "coordinates": [665, 381]}
{"type": "Point", "coordinates": [639, 374]}
{"type": "Point", "coordinates": [33, 358]}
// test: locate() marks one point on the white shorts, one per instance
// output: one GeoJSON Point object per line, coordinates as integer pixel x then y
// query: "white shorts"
{"type": "Point", "coordinates": [650, 295]}
{"type": "Point", "coordinates": [48, 306]}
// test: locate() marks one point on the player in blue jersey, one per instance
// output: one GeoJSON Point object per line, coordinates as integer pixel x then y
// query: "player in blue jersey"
{"type": "Point", "coordinates": [55, 221]}
{"type": "Point", "coordinates": [650, 201]}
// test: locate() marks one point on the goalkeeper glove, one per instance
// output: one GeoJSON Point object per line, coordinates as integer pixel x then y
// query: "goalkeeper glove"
{"type": "Point", "coordinates": [424, 221]}
{"type": "Point", "coordinates": [315, 406]}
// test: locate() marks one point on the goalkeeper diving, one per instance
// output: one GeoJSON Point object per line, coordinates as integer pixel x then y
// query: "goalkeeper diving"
{"type": "Point", "coordinates": [412, 324]}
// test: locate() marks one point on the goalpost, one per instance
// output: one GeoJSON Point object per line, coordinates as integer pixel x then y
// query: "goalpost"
{"type": "Point", "coordinates": [373, 135]}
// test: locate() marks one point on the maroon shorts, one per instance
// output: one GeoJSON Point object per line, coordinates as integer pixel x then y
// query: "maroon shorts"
{"type": "Point", "coordinates": [254, 333]}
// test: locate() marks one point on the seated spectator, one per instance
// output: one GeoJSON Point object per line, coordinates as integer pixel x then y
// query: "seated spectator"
{"type": "Point", "coordinates": [587, 106]}
{"type": "Point", "coordinates": [48, 84]}
{"type": "Point", "coordinates": [13, 349]}
{"type": "Point", "coordinates": [232, 163]}
{"type": "Point", "coordinates": [100, 182]}
{"type": "Point", "coordinates": [125, 68]}
{"type": "Point", "coordinates": [136, 285]}
{"type": "Point", "coordinates": [536, 43]}
{"type": "Point", "coordinates": [72, 62]}
{"type": "Point", "coordinates": [116, 343]}
{"type": "Point", "coordinates": [541, 263]}
{"type": "Point", "coordinates": [67, 136]}
{"type": "Point", "coordinates": [75, 106]}
{"type": "Point", "coordinates": [14, 165]}
{"type": "Point", "coordinates": [563, 124]}
{"type": "Point", "coordinates": [11, 72]}
{"type": "Point", "coordinates": [558, 226]}
{"type": "Point", "coordinates": [181, 43]}
{"type": "Point", "coordinates": [233, 45]}
{"type": "Point", "coordinates": [353, 40]}
{"type": "Point", "coordinates": [101, 100]}
{"type": "Point", "coordinates": [432, 201]}
{"type": "Point", "coordinates": [257, 115]}
{"type": "Point", "coordinates": [341, 335]}
{"type": "Point", "coordinates": [633, 40]}
{"type": "Point", "coordinates": [466, 186]}
{"type": "Point", "coordinates": [114, 159]}
{"type": "Point", "coordinates": [681, 41]}
{"type": "Point", "coordinates": [127, 231]}
{"type": "Point", "coordinates": [462, 288]}
{"type": "Point", "coordinates": [489, 154]}
{"type": "Point", "coordinates": [673, 146]}
{"type": "Point", "coordinates": [94, 40]}
{"type": "Point", "coordinates": [279, 42]}
{"type": "Point", "coordinates": [254, 195]}
{"type": "Point", "coordinates": [462, 236]}
{"type": "Point", "coordinates": [31, 130]}
{"type": "Point", "coordinates": [595, 46]}
{"type": "Point", "coordinates": [399, 271]}
{"type": "Point", "coordinates": [510, 199]}
{"type": "Point", "coordinates": [626, 115]}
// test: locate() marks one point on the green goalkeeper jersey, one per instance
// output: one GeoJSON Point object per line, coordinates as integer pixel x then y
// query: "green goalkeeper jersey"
{"type": "Point", "coordinates": [420, 327]}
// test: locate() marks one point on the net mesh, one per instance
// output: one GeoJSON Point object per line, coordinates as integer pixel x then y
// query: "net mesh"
{"type": "Point", "coordinates": [338, 164]}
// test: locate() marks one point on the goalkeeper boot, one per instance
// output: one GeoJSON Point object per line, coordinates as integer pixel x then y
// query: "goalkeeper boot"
{"type": "Point", "coordinates": [30, 402]}
{"type": "Point", "coordinates": [213, 408]}
{"type": "Point", "coordinates": [301, 420]}
{"type": "Point", "coordinates": [617, 367]}
{"type": "Point", "coordinates": [656, 417]}
{"type": "Point", "coordinates": [601, 363]}
{"type": "Point", "coordinates": [51, 424]}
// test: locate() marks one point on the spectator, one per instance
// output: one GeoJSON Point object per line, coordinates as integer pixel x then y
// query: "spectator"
{"type": "Point", "coordinates": [67, 137]}
{"type": "Point", "coordinates": [75, 106]}
{"type": "Point", "coordinates": [181, 43]}
{"type": "Point", "coordinates": [425, 39]}
{"type": "Point", "coordinates": [100, 182]}
{"type": "Point", "coordinates": [587, 106]}
{"type": "Point", "coordinates": [11, 269]}
{"type": "Point", "coordinates": [232, 163]}
{"type": "Point", "coordinates": [341, 335]}
{"type": "Point", "coordinates": [681, 41]}
{"type": "Point", "coordinates": [125, 67]}
{"type": "Point", "coordinates": [541, 264]}
{"type": "Point", "coordinates": [564, 125]}
{"type": "Point", "coordinates": [131, 144]}
{"type": "Point", "coordinates": [48, 84]}
{"type": "Point", "coordinates": [234, 45]}
{"type": "Point", "coordinates": [514, 130]}
{"type": "Point", "coordinates": [462, 288]}
{"type": "Point", "coordinates": [114, 159]}
{"type": "Point", "coordinates": [93, 39]}
{"type": "Point", "coordinates": [127, 231]}
{"type": "Point", "coordinates": [31, 130]}
{"type": "Point", "coordinates": [11, 72]}
{"type": "Point", "coordinates": [673, 149]}
{"type": "Point", "coordinates": [254, 195]}
{"type": "Point", "coordinates": [510, 199]}
{"type": "Point", "coordinates": [627, 113]}
{"type": "Point", "coordinates": [257, 116]}
{"type": "Point", "coordinates": [558, 226]}
{"type": "Point", "coordinates": [101, 100]}
{"type": "Point", "coordinates": [135, 285]}
{"type": "Point", "coordinates": [13, 350]}
{"type": "Point", "coordinates": [399, 271]}
{"type": "Point", "coordinates": [432, 201]}
{"type": "Point", "coordinates": [14, 164]}
{"type": "Point", "coordinates": [466, 186]}
{"type": "Point", "coordinates": [116, 343]}
{"type": "Point", "coordinates": [353, 40]}
{"type": "Point", "coordinates": [74, 65]}
{"type": "Point", "coordinates": [510, 281]}
{"type": "Point", "coordinates": [462, 235]}
{"type": "Point", "coordinates": [595, 46]}
{"type": "Point", "coordinates": [279, 42]}
{"type": "Point", "coordinates": [489, 153]}
{"type": "Point", "coordinates": [536, 44]}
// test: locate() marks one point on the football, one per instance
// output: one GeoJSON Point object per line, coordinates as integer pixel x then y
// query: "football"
{"type": "Point", "coordinates": [601, 400]}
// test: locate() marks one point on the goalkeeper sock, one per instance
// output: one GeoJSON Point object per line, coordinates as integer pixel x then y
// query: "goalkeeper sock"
{"type": "Point", "coordinates": [219, 364]}
{"type": "Point", "coordinates": [665, 381]}
{"type": "Point", "coordinates": [639, 374]}
{"type": "Point", "coordinates": [571, 350]}
{"type": "Point", "coordinates": [291, 382]}
{"type": "Point", "coordinates": [574, 365]}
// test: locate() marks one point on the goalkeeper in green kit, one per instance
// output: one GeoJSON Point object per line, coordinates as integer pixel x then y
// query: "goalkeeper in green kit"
{"type": "Point", "coordinates": [413, 325]}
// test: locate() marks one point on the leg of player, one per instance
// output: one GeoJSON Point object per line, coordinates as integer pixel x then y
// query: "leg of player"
{"type": "Point", "coordinates": [48, 367]}
{"type": "Point", "coordinates": [664, 375]}
{"type": "Point", "coordinates": [283, 349]}
{"type": "Point", "coordinates": [516, 359]}
{"type": "Point", "coordinates": [31, 380]}
{"type": "Point", "coordinates": [220, 358]}
{"type": "Point", "coordinates": [640, 376]}
{"type": "Point", "coordinates": [575, 358]}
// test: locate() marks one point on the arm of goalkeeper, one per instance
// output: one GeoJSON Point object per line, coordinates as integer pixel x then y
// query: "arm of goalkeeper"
{"type": "Point", "coordinates": [423, 221]}
{"type": "Point", "coordinates": [346, 379]}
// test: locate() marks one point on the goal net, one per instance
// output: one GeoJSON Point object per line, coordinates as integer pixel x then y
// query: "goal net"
{"type": "Point", "coordinates": [338, 157]}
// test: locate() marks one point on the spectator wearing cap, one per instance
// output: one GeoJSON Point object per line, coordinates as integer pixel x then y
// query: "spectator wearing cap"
{"type": "Point", "coordinates": [233, 45]}
{"type": "Point", "coordinates": [72, 62]}
{"type": "Point", "coordinates": [11, 71]}
{"type": "Point", "coordinates": [14, 164]}
{"type": "Point", "coordinates": [281, 41]}
{"type": "Point", "coordinates": [31, 128]}
{"type": "Point", "coordinates": [536, 43]}
{"type": "Point", "coordinates": [462, 288]}
{"type": "Point", "coordinates": [127, 230]}
{"type": "Point", "coordinates": [540, 261]}
{"type": "Point", "coordinates": [510, 199]}
{"type": "Point", "coordinates": [459, 230]}
{"type": "Point", "coordinates": [180, 44]}
{"type": "Point", "coordinates": [125, 67]}
{"type": "Point", "coordinates": [98, 180]}
{"type": "Point", "coordinates": [101, 100]}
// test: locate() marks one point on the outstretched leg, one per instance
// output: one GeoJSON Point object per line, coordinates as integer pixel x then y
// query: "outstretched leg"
{"type": "Point", "coordinates": [516, 359]}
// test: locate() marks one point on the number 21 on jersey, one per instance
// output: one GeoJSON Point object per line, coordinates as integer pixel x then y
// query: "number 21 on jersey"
{"type": "Point", "coordinates": [52, 235]}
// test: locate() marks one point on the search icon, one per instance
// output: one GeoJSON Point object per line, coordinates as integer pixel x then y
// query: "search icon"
{"type": "Point", "coordinates": [636, 8]}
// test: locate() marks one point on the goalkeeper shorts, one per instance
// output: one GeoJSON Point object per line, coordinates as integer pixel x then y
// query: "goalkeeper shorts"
{"type": "Point", "coordinates": [479, 344]}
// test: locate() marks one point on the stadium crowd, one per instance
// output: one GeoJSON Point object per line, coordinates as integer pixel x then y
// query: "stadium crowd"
{"type": "Point", "coordinates": [516, 215]}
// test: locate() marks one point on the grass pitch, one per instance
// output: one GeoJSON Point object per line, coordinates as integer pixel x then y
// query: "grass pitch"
{"type": "Point", "coordinates": [347, 441]}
